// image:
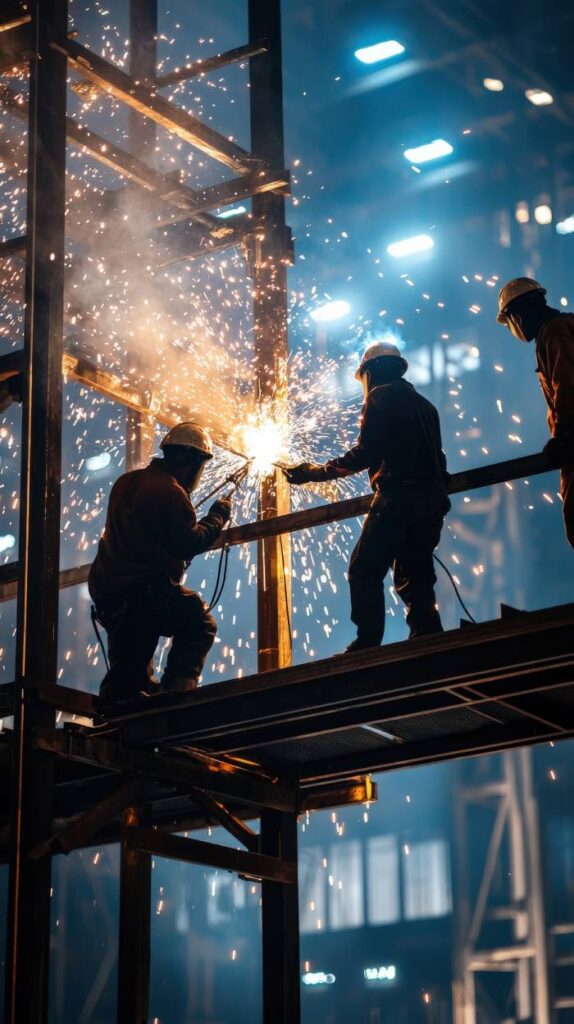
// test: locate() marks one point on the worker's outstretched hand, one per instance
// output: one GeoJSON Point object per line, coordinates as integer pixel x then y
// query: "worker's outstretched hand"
{"type": "Point", "coordinates": [557, 452]}
{"type": "Point", "coordinates": [304, 473]}
{"type": "Point", "coordinates": [221, 508]}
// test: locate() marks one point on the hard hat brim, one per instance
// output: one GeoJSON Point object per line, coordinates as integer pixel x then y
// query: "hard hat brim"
{"type": "Point", "coordinates": [502, 317]}
{"type": "Point", "coordinates": [361, 369]}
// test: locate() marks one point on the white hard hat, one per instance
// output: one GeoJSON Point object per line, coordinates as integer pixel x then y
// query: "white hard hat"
{"type": "Point", "coordinates": [189, 435]}
{"type": "Point", "coordinates": [513, 290]}
{"type": "Point", "coordinates": [377, 351]}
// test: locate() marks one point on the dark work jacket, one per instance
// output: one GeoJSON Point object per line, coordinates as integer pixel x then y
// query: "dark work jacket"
{"type": "Point", "coordinates": [151, 530]}
{"type": "Point", "coordinates": [399, 440]}
{"type": "Point", "coordinates": [555, 367]}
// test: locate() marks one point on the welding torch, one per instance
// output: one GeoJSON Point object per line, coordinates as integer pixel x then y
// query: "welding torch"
{"type": "Point", "coordinates": [234, 479]}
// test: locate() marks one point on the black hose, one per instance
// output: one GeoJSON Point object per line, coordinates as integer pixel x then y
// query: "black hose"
{"type": "Point", "coordinates": [456, 590]}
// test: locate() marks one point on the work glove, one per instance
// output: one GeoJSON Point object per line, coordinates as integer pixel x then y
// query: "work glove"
{"type": "Point", "coordinates": [558, 452]}
{"type": "Point", "coordinates": [221, 508]}
{"type": "Point", "coordinates": [304, 473]}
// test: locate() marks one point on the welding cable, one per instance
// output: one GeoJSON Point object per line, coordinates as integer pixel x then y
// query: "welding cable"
{"type": "Point", "coordinates": [221, 577]}
{"type": "Point", "coordinates": [95, 620]}
{"type": "Point", "coordinates": [456, 590]}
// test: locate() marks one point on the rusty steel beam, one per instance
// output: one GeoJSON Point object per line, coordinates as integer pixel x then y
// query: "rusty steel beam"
{"type": "Point", "coordinates": [321, 515]}
{"type": "Point", "coordinates": [113, 81]}
{"type": "Point", "coordinates": [220, 60]}
{"type": "Point", "coordinates": [81, 831]}
{"type": "Point", "coordinates": [216, 811]}
{"type": "Point", "coordinates": [114, 755]}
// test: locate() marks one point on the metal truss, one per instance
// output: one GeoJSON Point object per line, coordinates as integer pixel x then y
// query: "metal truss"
{"type": "Point", "coordinates": [290, 738]}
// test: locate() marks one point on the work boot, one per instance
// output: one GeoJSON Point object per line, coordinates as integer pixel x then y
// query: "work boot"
{"type": "Point", "coordinates": [112, 691]}
{"type": "Point", "coordinates": [360, 644]}
{"type": "Point", "coordinates": [178, 684]}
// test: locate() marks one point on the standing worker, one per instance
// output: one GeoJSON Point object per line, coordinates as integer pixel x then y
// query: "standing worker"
{"type": "Point", "coordinates": [522, 307]}
{"type": "Point", "coordinates": [400, 444]}
{"type": "Point", "coordinates": [151, 535]}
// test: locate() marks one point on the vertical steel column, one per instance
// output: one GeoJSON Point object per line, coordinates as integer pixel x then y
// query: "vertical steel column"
{"type": "Point", "coordinates": [280, 921]}
{"type": "Point", "coordinates": [142, 136]}
{"type": "Point", "coordinates": [134, 948]}
{"type": "Point", "coordinates": [270, 326]}
{"type": "Point", "coordinates": [135, 923]}
{"type": "Point", "coordinates": [280, 903]}
{"type": "Point", "coordinates": [27, 966]}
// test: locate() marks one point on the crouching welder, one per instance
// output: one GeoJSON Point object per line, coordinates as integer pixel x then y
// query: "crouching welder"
{"type": "Point", "coordinates": [150, 536]}
{"type": "Point", "coordinates": [400, 445]}
{"type": "Point", "coordinates": [522, 307]}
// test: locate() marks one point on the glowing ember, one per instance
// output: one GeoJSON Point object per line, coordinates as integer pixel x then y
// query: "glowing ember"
{"type": "Point", "coordinates": [263, 438]}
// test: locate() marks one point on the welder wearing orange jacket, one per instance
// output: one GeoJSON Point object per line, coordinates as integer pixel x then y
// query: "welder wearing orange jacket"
{"type": "Point", "coordinates": [150, 536]}
{"type": "Point", "coordinates": [522, 307]}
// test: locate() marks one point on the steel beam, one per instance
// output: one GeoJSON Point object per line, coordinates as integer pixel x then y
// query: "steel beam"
{"type": "Point", "coordinates": [142, 137]}
{"type": "Point", "coordinates": [203, 67]}
{"type": "Point", "coordinates": [135, 923]}
{"type": "Point", "coordinates": [280, 924]}
{"type": "Point", "coordinates": [270, 867]}
{"type": "Point", "coordinates": [36, 654]}
{"type": "Point", "coordinates": [81, 831]}
{"type": "Point", "coordinates": [219, 777]}
{"type": "Point", "coordinates": [270, 258]}
{"type": "Point", "coordinates": [218, 812]}
{"type": "Point", "coordinates": [110, 385]}
{"type": "Point", "coordinates": [113, 81]}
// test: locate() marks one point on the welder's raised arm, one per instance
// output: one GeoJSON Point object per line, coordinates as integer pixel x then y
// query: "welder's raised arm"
{"type": "Point", "coordinates": [360, 456]}
{"type": "Point", "coordinates": [190, 536]}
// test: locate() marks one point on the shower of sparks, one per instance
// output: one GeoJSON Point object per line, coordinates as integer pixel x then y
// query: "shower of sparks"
{"type": "Point", "coordinates": [180, 330]}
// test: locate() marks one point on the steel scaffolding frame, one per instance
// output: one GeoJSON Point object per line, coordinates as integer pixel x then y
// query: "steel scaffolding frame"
{"type": "Point", "coordinates": [290, 738]}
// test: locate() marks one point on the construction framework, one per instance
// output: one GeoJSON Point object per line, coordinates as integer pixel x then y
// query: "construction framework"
{"type": "Point", "coordinates": [288, 739]}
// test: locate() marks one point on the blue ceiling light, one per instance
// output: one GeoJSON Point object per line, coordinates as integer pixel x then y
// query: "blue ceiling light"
{"type": "Point", "coordinates": [330, 311]}
{"type": "Point", "coordinates": [379, 51]}
{"type": "Point", "coordinates": [430, 151]}
{"type": "Point", "coordinates": [409, 246]}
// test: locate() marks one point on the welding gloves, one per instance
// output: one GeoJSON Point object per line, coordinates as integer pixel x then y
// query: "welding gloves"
{"type": "Point", "coordinates": [305, 473]}
{"type": "Point", "coordinates": [222, 508]}
{"type": "Point", "coordinates": [558, 452]}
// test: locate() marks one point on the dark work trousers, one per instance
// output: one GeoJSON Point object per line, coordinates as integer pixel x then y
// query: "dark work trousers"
{"type": "Point", "coordinates": [401, 531]}
{"type": "Point", "coordinates": [567, 495]}
{"type": "Point", "coordinates": [154, 609]}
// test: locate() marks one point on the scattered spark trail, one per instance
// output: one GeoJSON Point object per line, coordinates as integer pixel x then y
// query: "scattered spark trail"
{"type": "Point", "coordinates": [181, 330]}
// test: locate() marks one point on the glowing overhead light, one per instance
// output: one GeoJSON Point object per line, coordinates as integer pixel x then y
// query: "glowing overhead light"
{"type": "Point", "coordinates": [539, 97]}
{"type": "Point", "coordinates": [387, 973]}
{"type": "Point", "coordinates": [430, 151]}
{"type": "Point", "coordinates": [543, 214]}
{"type": "Point", "coordinates": [408, 246]}
{"type": "Point", "coordinates": [318, 978]}
{"type": "Point", "coordinates": [379, 51]}
{"type": "Point", "coordinates": [493, 84]}
{"type": "Point", "coordinates": [7, 541]}
{"type": "Point", "coordinates": [232, 211]}
{"type": "Point", "coordinates": [100, 461]}
{"type": "Point", "coordinates": [565, 227]}
{"type": "Point", "coordinates": [330, 311]}
{"type": "Point", "coordinates": [522, 213]}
